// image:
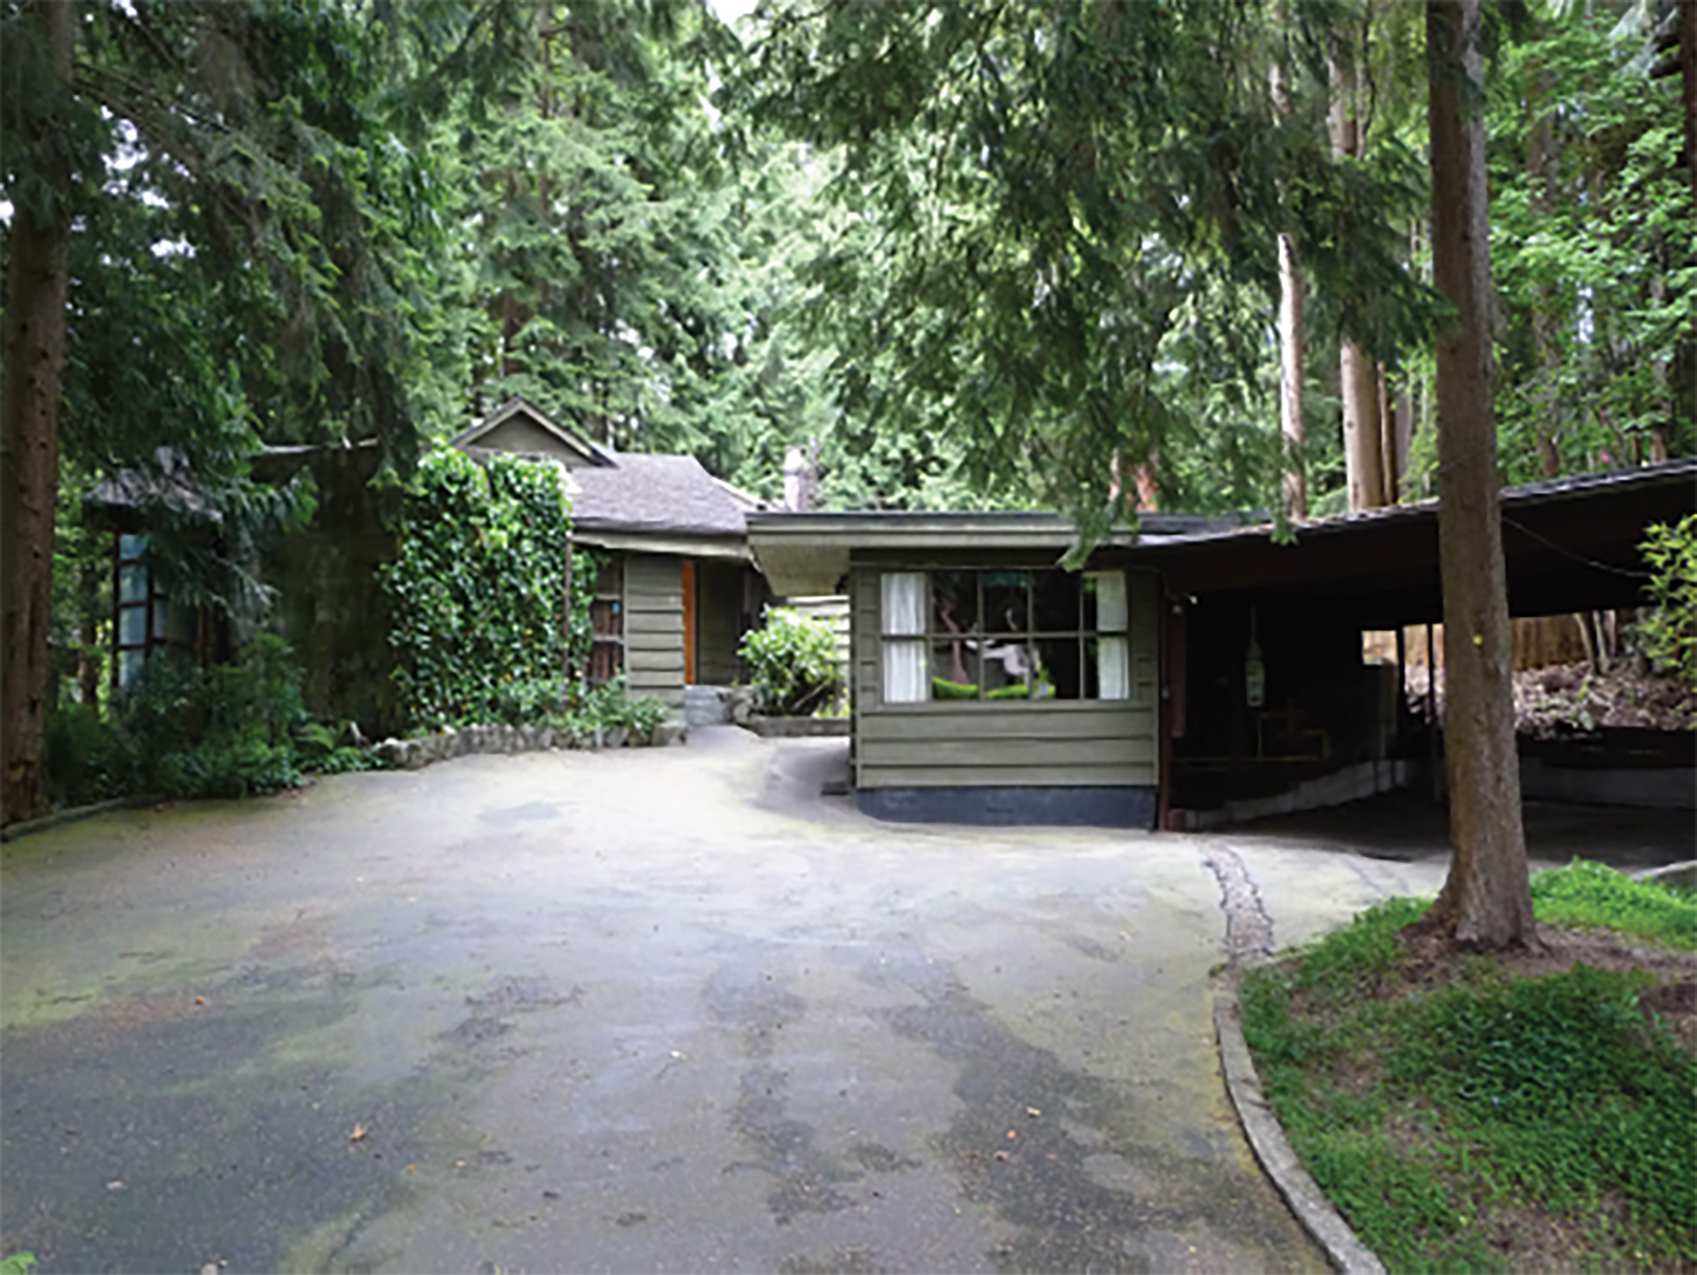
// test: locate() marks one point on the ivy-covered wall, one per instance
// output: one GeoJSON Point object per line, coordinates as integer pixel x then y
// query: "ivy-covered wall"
{"type": "Point", "coordinates": [475, 595]}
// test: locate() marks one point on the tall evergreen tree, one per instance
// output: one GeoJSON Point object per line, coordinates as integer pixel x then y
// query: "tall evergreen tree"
{"type": "Point", "coordinates": [259, 135]}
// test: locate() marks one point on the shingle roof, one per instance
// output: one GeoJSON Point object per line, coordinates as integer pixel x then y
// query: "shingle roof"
{"type": "Point", "coordinates": [168, 483]}
{"type": "Point", "coordinates": [654, 493]}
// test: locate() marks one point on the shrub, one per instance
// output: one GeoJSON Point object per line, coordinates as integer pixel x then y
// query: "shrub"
{"type": "Point", "coordinates": [1669, 632]}
{"type": "Point", "coordinates": [225, 731]}
{"type": "Point", "coordinates": [792, 663]}
{"type": "Point", "coordinates": [477, 591]}
{"type": "Point", "coordinates": [80, 759]}
{"type": "Point", "coordinates": [610, 708]}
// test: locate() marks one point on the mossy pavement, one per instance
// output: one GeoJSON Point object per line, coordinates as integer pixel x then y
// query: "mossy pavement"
{"type": "Point", "coordinates": [656, 1009]}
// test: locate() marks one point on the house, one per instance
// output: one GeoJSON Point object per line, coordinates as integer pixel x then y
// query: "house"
{"type": "Point", "coordinates": [1188, 667]}
{"type": "Point", "coordinates": [988, 684]}
{"type": "Point", "coordinates": [147, 619]}
{"type": "Point", "coordinates": [678, 588]}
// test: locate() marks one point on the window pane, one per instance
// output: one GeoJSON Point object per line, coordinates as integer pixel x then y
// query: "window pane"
{"type": "Point", "coordinates": [954, 669]}
{"type": "Point", "coordinates": [954, 602]}
{"type": "Point", "coordinates": [905, 681]}
{"type": "Point", "coordinates": [904, 604]}
{"type": "Point", "coordinates": [161, 620]}
{"type": "Point", "coordinates": [1009, 669]}
{"type": "Point", "coordinates": [1007, 602]}
{"type": "Point", "coordinates": [132, 626]}
{"type": "Point", "coordinates": [129, 668]}
{"type": "Point", "coordinates": [1111, 610]}
{"type": "Point", "coordinates": [132, 584]}
{"type": "Point", "coordinates": [130, 547]}
{"type": "Point", "coordinates": [1058, 671]}
{"type": "Point", "coordinates": [604, 618]}
{"type": "Point", "coordinates": [1054, 602]}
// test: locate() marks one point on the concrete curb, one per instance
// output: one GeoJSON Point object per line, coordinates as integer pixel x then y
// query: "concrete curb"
{"type": "Point", "coordinates": [12, 831]}
{"type": "Point", "coordinates": [1345, 1252]}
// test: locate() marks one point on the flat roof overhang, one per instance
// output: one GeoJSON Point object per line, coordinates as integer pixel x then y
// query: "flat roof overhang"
{"type": "Point", "coordinates": [1569, 545]}
{"type": "Point", "coordinates": [805, 554]}
{"type": "Point", "coordinates": [633, 538]}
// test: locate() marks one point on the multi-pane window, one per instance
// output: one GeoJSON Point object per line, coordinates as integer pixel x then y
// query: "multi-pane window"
{"type": "Point", "coordinates": [1004, 635]}
{"type": "Point", "coordinates": [142, 613]}
{"type": "Point", "coordinates": [607, 622]}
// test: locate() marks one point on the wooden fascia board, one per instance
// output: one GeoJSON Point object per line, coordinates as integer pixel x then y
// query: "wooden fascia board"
{"type": "Point", "coordinates": [677, 544]}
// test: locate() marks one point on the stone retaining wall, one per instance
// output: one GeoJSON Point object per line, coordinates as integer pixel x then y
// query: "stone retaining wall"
{"type": "Point", "coordinates": [412, 754]}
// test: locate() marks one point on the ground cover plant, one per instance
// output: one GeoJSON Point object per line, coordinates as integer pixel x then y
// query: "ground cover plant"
{"type": "Point", "coordinates": [792, 663]}
{"type": "Point", "coordinates": [183, 731]}
{"type": "Point", "coordinates": [1534, 1111]}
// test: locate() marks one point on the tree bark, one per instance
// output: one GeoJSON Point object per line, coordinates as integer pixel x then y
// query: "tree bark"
{"type": "Point", "coordinates": [32, 344]}
{"type": "Point", "coordinates": [1486, 900]}
{"type": "Point", "coordinates": [1292, 428]}
{"type": "Point", "coordinates": [1358, 387]}
{"type": "Point", "coordinates": [1688, 86]}
{"type": "Point", "coordinates": [1540, 169]}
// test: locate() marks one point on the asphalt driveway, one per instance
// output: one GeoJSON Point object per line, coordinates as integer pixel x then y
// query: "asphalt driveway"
{"type": "Point", "coordinates": [645, 1010]}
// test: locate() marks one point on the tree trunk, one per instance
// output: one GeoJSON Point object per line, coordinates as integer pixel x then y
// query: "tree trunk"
{"type": "Point", "coordinates": [1486, 900]}
{"type": "Point", "coordinates": [1363, 463]}
{"type": "Point", "coordinates": [1292, 428]}
{"type": "Point", "coordinates": [1688, 86]}
{"type": "Point", "coordinates": [1390, 459]}
{"type": "Point", "coordinates": [32, 344]}
{"type": "Point", "coordinates": [1540, 168]}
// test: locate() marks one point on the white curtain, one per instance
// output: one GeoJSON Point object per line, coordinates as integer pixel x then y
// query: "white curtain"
{"type": "Point", "coordinates": [903, 626]}
{"type": "Point", "coordinates": [1113, 648]}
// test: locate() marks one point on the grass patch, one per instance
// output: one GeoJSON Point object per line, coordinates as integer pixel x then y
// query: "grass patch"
{"type": "Point", "coordinates": [1472, 1113]}
{"type": "Point", "coordinates": [1592, 895]}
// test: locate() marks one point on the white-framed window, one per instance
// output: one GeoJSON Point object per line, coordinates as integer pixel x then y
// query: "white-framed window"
{"type": "Point", "coordinates": [1001, 635]}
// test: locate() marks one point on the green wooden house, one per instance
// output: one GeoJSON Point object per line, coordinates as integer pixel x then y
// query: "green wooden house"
{"type": "Point", "coordinates": [1194, 671]}
{"type": "Point", "coordinates": [988, 685]}
{"type": "Point", "coordinates": [679, 588]}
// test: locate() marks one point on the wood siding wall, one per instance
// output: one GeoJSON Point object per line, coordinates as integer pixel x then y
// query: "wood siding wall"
{"type": "Point", "coordinates": [654, 627]}
{"type": "Point", "coordinates": [1070, 743]}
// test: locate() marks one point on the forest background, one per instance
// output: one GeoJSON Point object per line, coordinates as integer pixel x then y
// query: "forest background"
{"type": "Point", "coordinates": [972, 254]}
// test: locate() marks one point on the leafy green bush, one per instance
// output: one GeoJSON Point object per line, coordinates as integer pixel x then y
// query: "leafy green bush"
{"type": "Point", "coordinates": [225, 731]}
{"type": "Point", "coordinates": [1669, 631]}
{"type": "Point", "coordinates": [80, 760]}
{"type": "Point", "coordinates": [184, 731]}
{"type": "Point", "coordinates": [792, 663]}
{"type": "Point", "coordinates": [610, 708]}
{"type": "Point", "coordinates": [477, 591]}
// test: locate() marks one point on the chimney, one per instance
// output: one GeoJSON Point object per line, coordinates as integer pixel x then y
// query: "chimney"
{"type": "Point", "coordinates": [798, 479]}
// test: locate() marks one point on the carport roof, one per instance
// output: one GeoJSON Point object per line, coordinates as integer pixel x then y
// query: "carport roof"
{"type": "Point", "coordinates": [1570, 545]}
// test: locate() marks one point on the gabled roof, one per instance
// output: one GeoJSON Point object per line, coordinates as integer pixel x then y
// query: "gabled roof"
{"type": "Point", "coordinates": [637, 492]}
{"type": "Point", "coordinates": [630, 499]}
{"type": "Point", "coordinates": [521, 408]}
